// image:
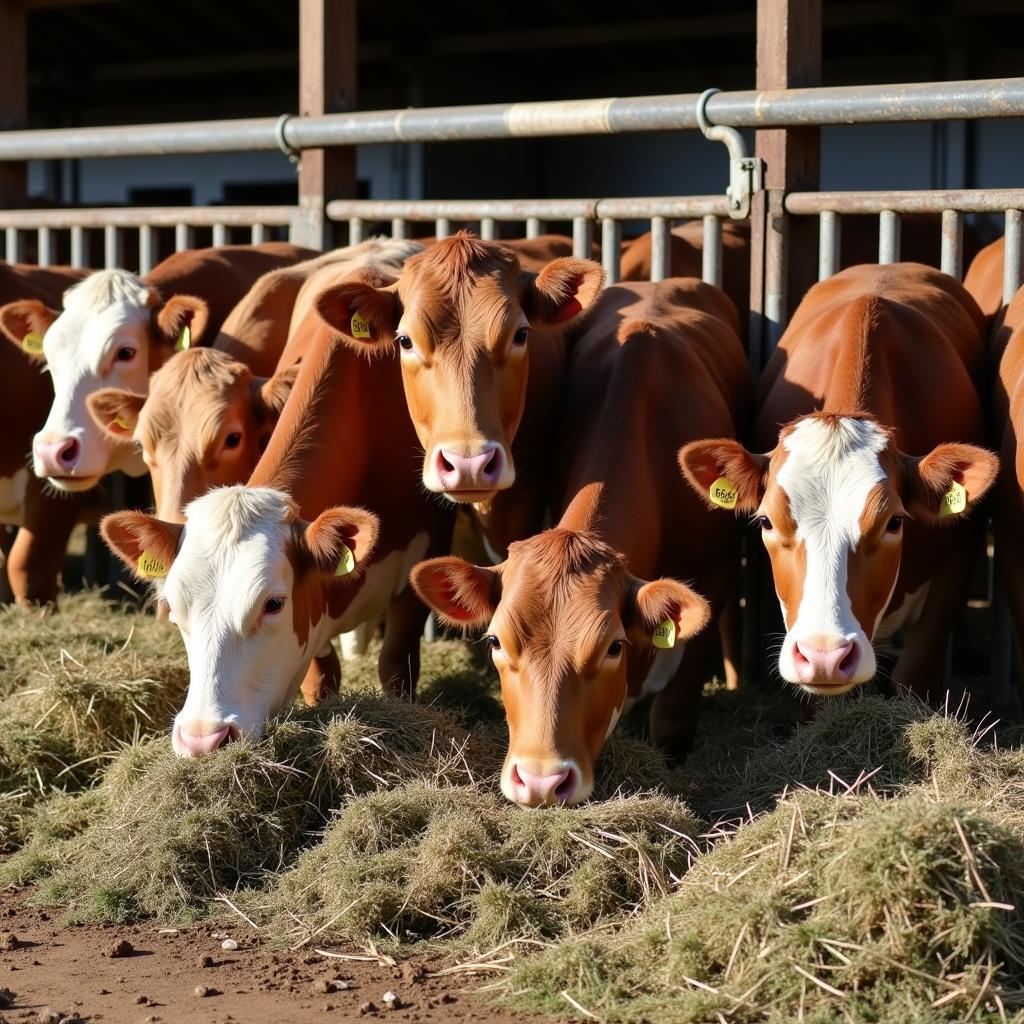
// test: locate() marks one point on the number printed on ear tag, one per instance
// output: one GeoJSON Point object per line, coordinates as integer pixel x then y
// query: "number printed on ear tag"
{"type": "Point", "coordinates": [723, 493]}
{"type": "Point", "coordinates": [954, 500]}
{"type": "Point", "coordinates": [32, 343]}
{"type": "Point", "coordinates": [346, 563]}
{"type": "Point", "coordinates": [360, 327]}
{"type": "Point", "coordinates": [150, 567]}
{"type": "Point", "coordinates": [664, 635]}
{"type": "Point", "coordinates": [184, 339]}
{"type": "Point", "coordinates": [120, 421]}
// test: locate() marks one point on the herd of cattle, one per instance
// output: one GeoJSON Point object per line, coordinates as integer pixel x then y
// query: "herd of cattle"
{"type": "Point", "coordinates": [313, 423]}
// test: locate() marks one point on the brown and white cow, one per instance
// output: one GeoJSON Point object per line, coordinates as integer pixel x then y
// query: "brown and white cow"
{"type": "Point", "coordinates": [862, 498]}
{"type": "Point", "coordinates": [256, 609]}
{"type": "Point", "coordinates": [577, 619]}
{"type": "Point", "coordinates": [114, 330]}
{"type": "Point", "coordinates": [482, 347]}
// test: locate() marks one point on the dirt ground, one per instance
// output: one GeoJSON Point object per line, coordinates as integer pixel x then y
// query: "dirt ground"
{"type": "Point", "coordinates": [59, 974]}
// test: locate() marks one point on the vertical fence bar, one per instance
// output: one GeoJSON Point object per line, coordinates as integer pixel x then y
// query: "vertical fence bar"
{"type": "Point", "coordinates": [888, 237]}
{"type": "Point", "coordinates": [44, 241]}
{"type": "Point", "coordinates": [661, 243]}
{"type": "Point", "coordinates": [77, 246]}
{"type": "Point", "coordinates": [487, 229]}
{"type": "Point", "coordinates": [355, 230]}
{"type": "Point", "coordinates": [711, 260]}
{"type": "Point", "coordinates": [1011, 258]}
{"type": "Point", "coordinates": [398, 227]}
{"type": "Point", "coordinates": [12, 245]}
{"type": "Point", "coordinates": [582, 237]}
{"type": "Point", "coordinates": [829, 240]}
{"type": "Point", "coordinates": [182, 237]}
{"type": "Point", "coordinates": [952, 258]}
{"type": "Point", "coordinates": [534, 227]}
{"type": "Point", "coordinates": [147, 248]}
{"type": "Point", "coordinates": [220, 234]}
{"type": "Point", "coordinates": [111, 247]}
{"type": "Point", "coordinates": [611, 244]}
{"type": "Point", "coordinates": [257, 234]}
{"type": "Point", "coordinates": [442, 228]}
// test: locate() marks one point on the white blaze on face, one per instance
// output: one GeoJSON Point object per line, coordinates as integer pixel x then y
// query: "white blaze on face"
{"type": "Point", "coordinates": [244, 665]}
{"type": "Point", "coordinates": [831, 467]}
{"type": "Point", "coordinates": [107, 314]}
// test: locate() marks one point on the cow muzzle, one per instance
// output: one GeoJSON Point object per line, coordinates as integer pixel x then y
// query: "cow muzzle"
{"type": "Point", "coordinates": [564, 786]}
{"type": "Point", "coordinates": [202, 736]}
{"type": "Point", "coordinates": [827, 664]}
{"type": "Point", "coordinates": [465, 477]}
{"type": "Point", "coordinates": [56, 457]}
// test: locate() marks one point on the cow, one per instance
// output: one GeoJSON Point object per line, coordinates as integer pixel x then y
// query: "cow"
{"type": "Point", "coordinates": [34, 524]}
{"type": "Point", "coordinates": [116, 328]}
{"type": "Point", "coordinates": [482, 349]}
{"type": "Point", "coordinates": [577, 620]}
{"type": "Point", "coordinates": [257, 593]}
{"type": "Point", "coordinates": [984, 278]}
{"type": "Point", "coordinates": [863, 495]}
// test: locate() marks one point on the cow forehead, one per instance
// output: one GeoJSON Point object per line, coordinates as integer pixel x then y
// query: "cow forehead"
{"type": "Point", "coordinates": [831, 466]}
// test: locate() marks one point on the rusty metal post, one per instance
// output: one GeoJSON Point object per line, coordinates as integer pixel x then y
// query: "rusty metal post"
{"type": "Point", "coordinates": [13, 99]}
{"type": "Point", "coordinates": [327, 85]}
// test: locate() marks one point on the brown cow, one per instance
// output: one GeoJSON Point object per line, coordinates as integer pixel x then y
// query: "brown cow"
{"type": "Point", "coordinates": [876, 381]}
{"type": "Point", "coordinates": [574, 628]}
{"type": "Point", "coordinates": [263, 576]}
{"type": "Point", "coordinates": [115, 329]}
{"type": "Point", "coordinates": [483, 348]}
{"type": "Point", "coordinates": [984, 278]}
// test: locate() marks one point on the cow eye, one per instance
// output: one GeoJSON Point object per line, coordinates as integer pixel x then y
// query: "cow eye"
{"type": "Point", "coordinates": [404, 342]}
{"type": "Point", "coordinates": [273, 605]}
{"type": "Point", "coordinates": [519, 338]}
{"type": "Point", "coordinates": [764, 522]}
{"type": "Point", "coordinates": [125, 354]}
{"type": "Point", "coordinates": [493, 643]}
{"type": "Point", "coordinates": [894, 525]}
{"type": "Point", "coordinates": [615, 648]}
{"type": "Point", "coordinates": [233, 440]}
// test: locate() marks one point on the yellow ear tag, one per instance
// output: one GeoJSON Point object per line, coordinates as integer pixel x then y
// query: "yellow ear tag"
{"type": "Point", "coordinates": [150, 567]}
{"type": "Point", "coordinates": [120, 421]}
{"type": "Point", "coordinates": [723, 493]}
{"type": "Point", "coordinates": [347, 562]}
{"type": "Point", "coordinates": [665, 635]}
{"type": "Point", "coordinates": [184, 339]}
{"type": "Point", "coordinates": [954, 500]}
{"type": "Point", "coordinates": [360, 327]}
{"type": "Point", "coordinates": [32, 343]}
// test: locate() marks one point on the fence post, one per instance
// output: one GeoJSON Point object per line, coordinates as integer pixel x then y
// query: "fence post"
{"type": "Point", "coordinates": [327, 85]}
{"type": "Point", "coordinates": [13, 99]}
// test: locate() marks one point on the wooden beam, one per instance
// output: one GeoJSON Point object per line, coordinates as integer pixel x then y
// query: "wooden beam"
{"type": "Point", "coordinates": [13, 96]}
{"type": "Point", "coordinates": [327, 85]}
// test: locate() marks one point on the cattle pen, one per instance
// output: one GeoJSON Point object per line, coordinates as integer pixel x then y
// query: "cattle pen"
{"type": "Point", "coordinates": [358, 859]}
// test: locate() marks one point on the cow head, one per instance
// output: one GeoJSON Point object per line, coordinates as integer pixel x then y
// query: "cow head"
{"type": "Point", "coordinates": [462, 314]}
{"type": "Point", "coordinates": [112, 331]}
{"type": "Point", "coordinates": [204, 424]}
{"type": "Point", "coordinates": [247, 582]}
{"type": "Point", "coordinates": [832, 500]}
{"type": "Point", "coordinates": [573, 635]}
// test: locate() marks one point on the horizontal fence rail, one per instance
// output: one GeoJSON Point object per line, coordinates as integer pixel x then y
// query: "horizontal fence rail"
{"type": "Point", "coordinates": [864, 104]}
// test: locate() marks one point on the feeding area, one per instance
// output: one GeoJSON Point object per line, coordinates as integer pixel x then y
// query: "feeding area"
{"type": "Point", "coordinates": [866, 866]}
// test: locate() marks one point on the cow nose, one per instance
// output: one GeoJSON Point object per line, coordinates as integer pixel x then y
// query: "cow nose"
{"type": "Point", "coordinates": [543, 790]}
{"type": "Point", "coordinates": [56, 458]}
{"type": "Point", "coordinates": [823, 661]}
{"type": "Point", "coordinates": [469, 473]}
{"type": "Point", "coordinates": [194, 739]}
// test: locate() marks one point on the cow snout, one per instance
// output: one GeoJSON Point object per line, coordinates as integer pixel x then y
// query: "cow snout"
{"type": "Point", "coordinates": [194, 739]}
{"type": "Point", "coordinates": [56, 458]}
{"type": "Point", "coordinates": [532, 790]}
{"type": "Point", "coordinates": [819, 661]}
{"type": "Point", "coordinates": [470, 473]}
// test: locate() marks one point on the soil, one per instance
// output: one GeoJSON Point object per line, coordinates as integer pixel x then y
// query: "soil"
{"type": "Point", "coordinates": [141, 974]}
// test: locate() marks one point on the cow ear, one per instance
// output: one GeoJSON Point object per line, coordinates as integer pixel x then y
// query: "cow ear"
{"type": "Point", "coordinates": [666, 612]}
{"type": "Point", "coordinates": [180, 321]}
{"type": "Point", "coordinates": [563, 291]}
{"type": "Point", "coordinates": [339, 540]}
{"type": "Point", "coordinates": [947, 482]}
{"type": "Point", "coordinates": [25, 322]}
{"type": "Point", "coordinates": [145, 544]}
{"type": "Point", "coordinates": [116, 411]}
{"type": "Point", "coordinates": [460, 593]}
{"type": "Point", "coordinates": [724, 473]}
{"type": "Point", "coordinates": [271, 393]}
{"type": "Point", "coordinates": [366, 317]}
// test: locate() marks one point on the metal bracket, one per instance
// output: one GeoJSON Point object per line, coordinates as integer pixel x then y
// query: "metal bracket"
{"type": "Point", "coordinates": [745, 172]}
{"type": "Point", "coordinates": [282, 143]}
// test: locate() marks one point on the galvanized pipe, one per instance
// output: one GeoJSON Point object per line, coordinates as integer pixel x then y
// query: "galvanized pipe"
{"type": "Point", "coordinates": [355, 230]}
{"type": "Point", "coordinates": [442, 227]}
{"type": "Point", "coordinates": [611, 246]}
{"type": "Point", "coordinates": [220, 234]}
{"type": "Point", "coordinates": [931, 101]}
{"type": "Point", "coordinates": [155, 216]}
{"type": "Point", "coordinates": [979, 200]}
{"type": "Point", "coordinates": [398, 227]}
{"type": "Point", "coordinates": [534, 227]}
{"type": "Point", "coordinates": [12, 246]}
{"type": "Point", "coordinates": [77, 246]}
{"type": "Point", "coordinates": [182, 237]}
{"type": "Point", "coordinates": [488, 228]}
{"type": "Point", "coordinates": [147, 249]}
{"type": "Point", "coordinates": [44, 244]}
{"type": "Point", "coordinates": [888, 237]}
{"type": "Point", "coordinates": [1011, 257]}
{"type": "Point", "coordinates": [829, 241]}
{"type": "Point", "coordinates": [111, 247]}
{"type": "Point", "coordinates": [661, 248]}
{"type": "Point", "coordinates": [258, 234]}
{"type": "Point", "coordinates": [711, 257]}
{"type": "Point", "coordinates": [951, 260]}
